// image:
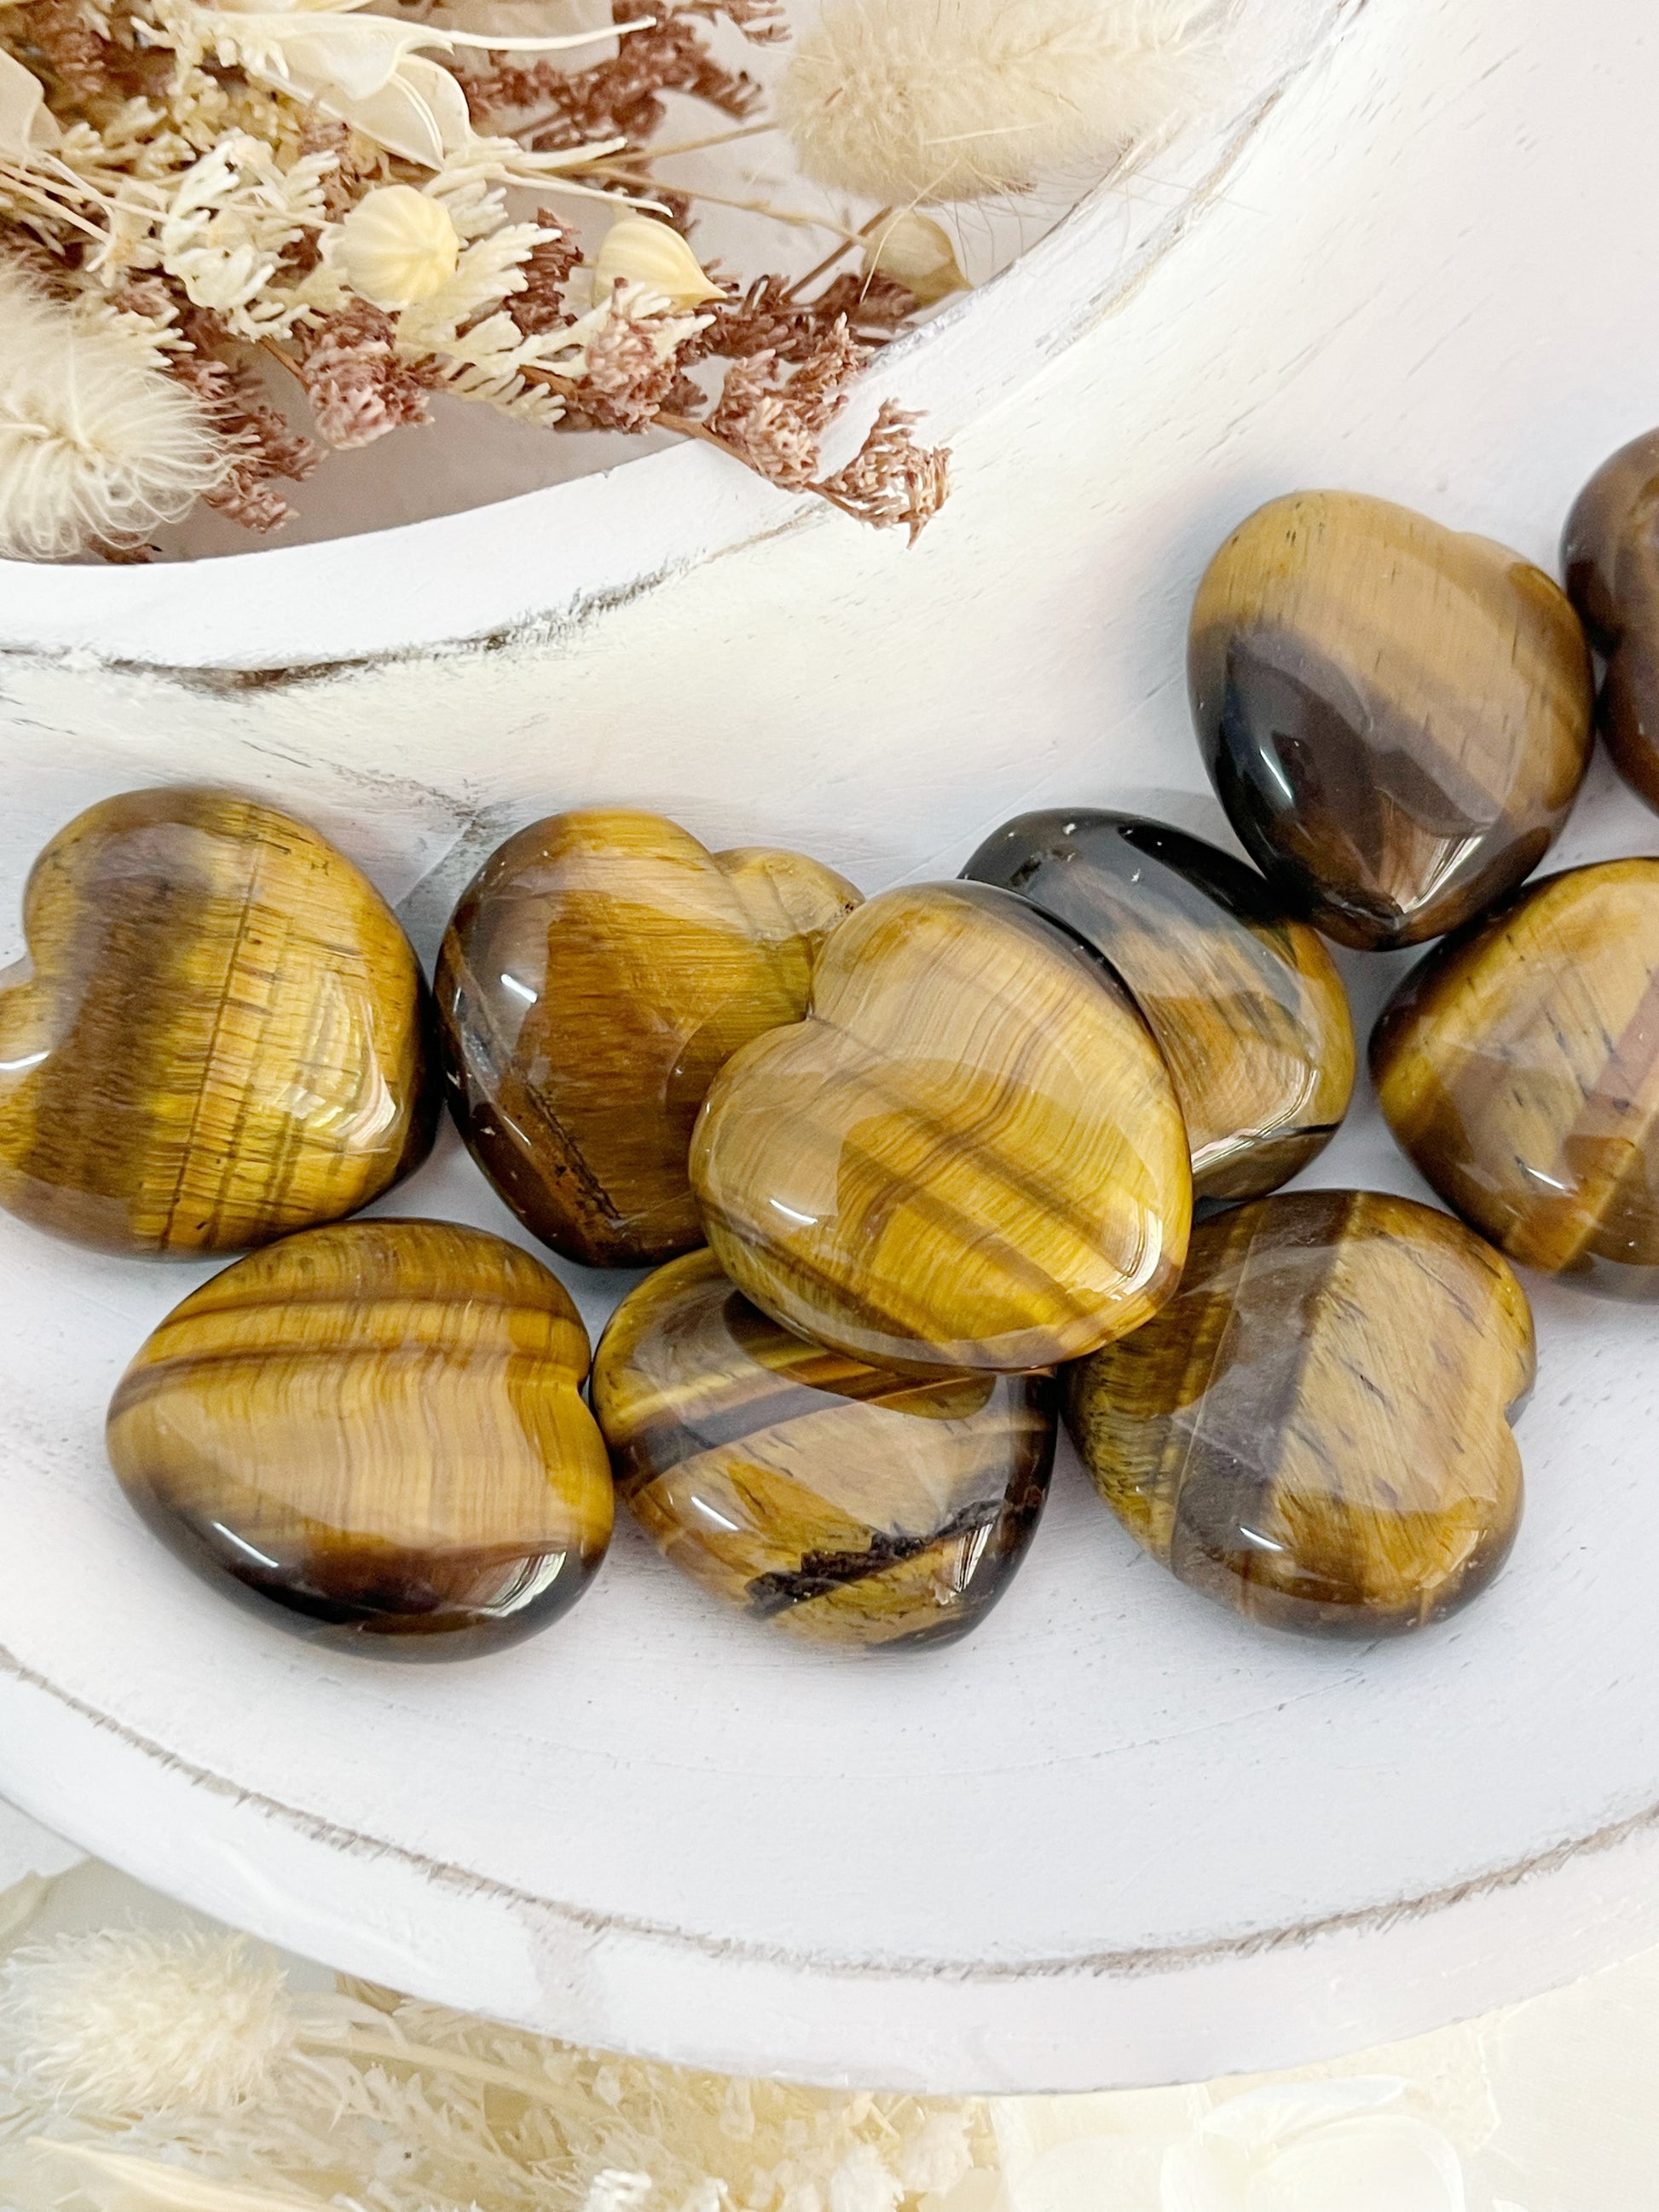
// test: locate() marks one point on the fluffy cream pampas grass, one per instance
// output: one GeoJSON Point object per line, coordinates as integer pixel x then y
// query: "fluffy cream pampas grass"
{"type": "Point", "coordinates": [99, 446]}
{"type": "Point", "coordinates": [912, 101]}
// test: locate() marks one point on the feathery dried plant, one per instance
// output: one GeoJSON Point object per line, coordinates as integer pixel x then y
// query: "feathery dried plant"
{"type": "Point", "coordinates": [911, 101]}
{"type": "Point", "coordinates": [99, 446]}
{"type": "Point", "coordinates": [180, 2070]}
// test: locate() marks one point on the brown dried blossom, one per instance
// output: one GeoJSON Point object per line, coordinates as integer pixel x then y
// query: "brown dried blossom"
{"type": "Point", "coordinates": [264, 445]}
{"type": "Point", "coordinates": [621, 96]}
{"type": "Point", "coordinates": [766, 319]}
{"type": "Point", "coordinates": [774, 425]}
{"type": "Point", "coordinates": [358, 388]}
{"type": "Point", "coordinates": [359, 164]}
{"type": "Point", "coordinates": [763, 22]}
{"type": "Point", "coordinates": [74, 52]}
{"type": "Point", "coordinates": [546, 271]}
{"type": "Point", "coordinates": [891, 483]}
{"type": "Point", "coordinates": [628, 379]}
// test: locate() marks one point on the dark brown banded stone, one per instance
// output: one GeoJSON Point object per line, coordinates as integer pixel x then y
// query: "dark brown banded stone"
{"type": "Point", "coordinates": [1610, 555]}
{"type": "Point", "coordinates": [219, 1034]}
{"type": "Point", "coordinates": [1518, 1066]}
{"type": "Point", "coordinates": [1245, 1002]}
{"type": "Point", "coordinates": [847, 1505]}
{"type": "Point", "coordinates": [1316, 1430]}
{"type": "Point", "coordinates": [1396, 717]}
{"type": "Point", "coordinates": [597, 974]}
{"type": "Point", "coordinates": [375, 1434]}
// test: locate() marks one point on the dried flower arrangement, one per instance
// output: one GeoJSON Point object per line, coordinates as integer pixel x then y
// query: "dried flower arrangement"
{"type": "Point", "coordinates": [182, 2069]}
{"type": "Point", "coordinates": [242, 233]}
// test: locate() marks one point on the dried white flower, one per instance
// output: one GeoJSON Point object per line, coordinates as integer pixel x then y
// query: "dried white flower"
{"type": "Point", "coordinates": [1309, 2147]}
{"type": "Point", "coordinates": [918, 253]}
{"type": "Point", "coordinates": [125, 2022]}
{"type": "Point", "coordinates": [936, 2156]}
{"type": "Point", "coordinates": [615, 2192]}
{"type": "Point", "coordinates": [369, 70]}
{"type": "Point", "coordinates": [232, 217]}
{"type": "Point", "coordinates": [397, 247]}
{"type": "Point", "coordinates": [638, 250]}
{"type": "Point", "coordinates": [864, 2182]}
{"type": "Point", "coordinates": [965, 99]}
{"type": "Point", "coordinates": [98, 445]}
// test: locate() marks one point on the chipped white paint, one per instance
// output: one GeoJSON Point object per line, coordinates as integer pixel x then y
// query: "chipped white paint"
{"type": "Point", "coordinates": [1116, 1837]}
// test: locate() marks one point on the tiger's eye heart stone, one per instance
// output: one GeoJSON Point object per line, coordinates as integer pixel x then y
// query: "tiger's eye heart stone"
{"type": "Point", "coordinates": [1245, 1004]}
{"type": "Point", "coordinates": [1518, 1066]}
{"type": "Point", "coordinates": [849, 1505]}
{"type": "Point", "coordinates": [1396, 718]}
{"type": "Point", "coordinates": [1610, 553]}
{"type": "Point", "coordinates": [597, 974]}
{"type": "Point", "coordinates": [1316, 1430]}
{"type": "Point", "coordinates": [374, 1433]}
{"type": "Point", "coordinates": [970, 1155]}
{"type": "Point", "coordinates": [219, 1036]}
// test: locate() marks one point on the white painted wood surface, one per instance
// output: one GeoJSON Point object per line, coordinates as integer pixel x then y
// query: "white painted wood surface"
{"type": "Point", "coordinates": [1116, 1837]}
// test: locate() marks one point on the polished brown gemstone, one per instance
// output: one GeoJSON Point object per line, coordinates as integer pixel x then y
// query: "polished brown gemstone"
{"type": "Point", "coordinates": [1396, 717]}
{"type": "Point", "coordinates": [1519, 1067]}
{"type": "Point", "coordinates": [598, 973]}
{"type": "Point", "coordinates": [1316, 1430]}
{"type": "Point", "coordinates": [375, 1433]}
{"type": "Point", "coordinates": [218, 1036]}
{"type": "Point", "coordinates": [968, 1156]}
{"type": "Point", "coordinates": [847, 1505]}
{"type": "Point", "coordinates": [1245, 1002]}
{"type": "Point", "coordinates": [1611, 556]}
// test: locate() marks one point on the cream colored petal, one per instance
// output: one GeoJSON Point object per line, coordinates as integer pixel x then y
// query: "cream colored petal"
{"type": "Point", "coordinates": [26, 126]}
{"type": "Point", "coordinates": [639, 251]}
{"type": "Point", "coordinates": [1384, 2163]}
{"type": "Point", "coordinates": [918, 253]}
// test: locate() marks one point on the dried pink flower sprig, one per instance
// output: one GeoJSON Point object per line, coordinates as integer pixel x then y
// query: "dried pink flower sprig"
{"type": "Point", "coordinates": [278, 237]}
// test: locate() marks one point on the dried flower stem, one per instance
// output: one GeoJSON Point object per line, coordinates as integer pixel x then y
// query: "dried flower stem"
{"type": "Point", "coordinates": [841, 253]}
{"type": "Point", "coordinates": [718, 199]}
{"type": "Point", "coordinates": [174, 2186]}
{"type": "Point", "coordinates": [462, 2065]}
{"type": "Point", "coordinates": [699, 145]}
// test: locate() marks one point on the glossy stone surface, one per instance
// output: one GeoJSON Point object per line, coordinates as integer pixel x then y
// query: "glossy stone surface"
{"type": "Point", "coordinates": [1316, 1430]}
{"type": "Point", "coordinates": [1396, 717]}
{"type": "Point", "coordinates": [970, 1155]}
{"type": "Point", "coordinates": [597, 974]}
{"type": "Point", "coordinates": [1245, 1002]}
{"type": "Point", "coordinates": [218, 1035]}
{"type": "Point", "coordinates": [1519, 1067]}
{"type": "Point", "coordinates": [375, 1434]}
{"type": "Point", "coordinates": [1610, 555]}
{"type": "Point", "coordinates": [847, 1505]}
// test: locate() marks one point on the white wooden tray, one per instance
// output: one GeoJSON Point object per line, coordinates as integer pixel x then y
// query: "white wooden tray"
{"type": "Point", "coordinates": [1116, 1836]}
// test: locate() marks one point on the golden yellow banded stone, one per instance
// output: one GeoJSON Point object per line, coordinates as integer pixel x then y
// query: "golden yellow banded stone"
{"type": "Point", "coordinates": [1316, 1430]}
{"type": "Point", "coordinates": [1610, 554]}
{"type": "Point", "coordinates": [970, 1155]}
{"type": "Point", "coordinates": [1518, 1066]}
{"type": "Point", "coordinates": [597, 972]}
{"type": "Point", "coordinates": [375, 1432]}
{"type": "Point", "coordinates": [1245, 1001]}
{"type": "Point", "coordinates": [1396, 716]}
{"type": "Point", "coordinates": [218, 1036]}
{"type": "Point", "coordinates": [847, 1504]}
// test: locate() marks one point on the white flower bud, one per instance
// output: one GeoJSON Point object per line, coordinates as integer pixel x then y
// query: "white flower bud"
{"type": "Point", "coordinates": [397, 247]}
{"type": "Point", "coordinates": [641, 251]}
{"type": "Point", "coordinates": [918, 253]}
